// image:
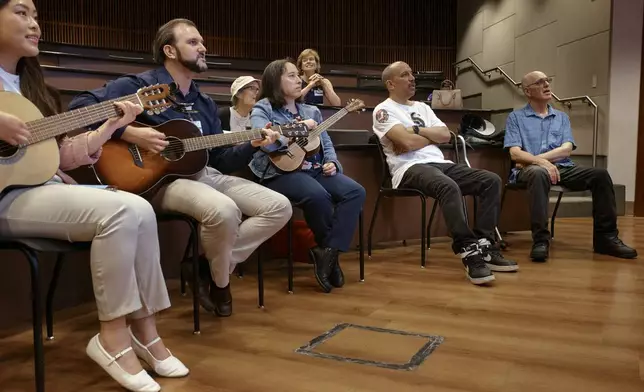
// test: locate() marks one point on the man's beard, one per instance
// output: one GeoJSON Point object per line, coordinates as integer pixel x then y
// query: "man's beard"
{"type": "Point", "coordinates": [194, 65]}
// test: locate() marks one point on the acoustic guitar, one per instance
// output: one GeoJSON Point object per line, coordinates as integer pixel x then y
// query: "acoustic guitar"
{"type": "Point", "coordinates": [133, 169]}
{"type": "Point", "coordinates": [37, 161]}
{"type": "Point", "coordinates": [298, 149]}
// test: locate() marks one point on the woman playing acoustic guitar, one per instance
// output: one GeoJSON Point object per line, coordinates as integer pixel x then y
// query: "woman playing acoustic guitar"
{"type": "Point", "coordinates": [125, 263]}
{"type": "Point", "coordinates": [330, 200]}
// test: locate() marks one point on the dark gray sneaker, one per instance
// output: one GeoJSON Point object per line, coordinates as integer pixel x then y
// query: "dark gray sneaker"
{"type": "Point", "coordinates": [494, 258]}
{"type": "Point", "coordinates": [477, 270]}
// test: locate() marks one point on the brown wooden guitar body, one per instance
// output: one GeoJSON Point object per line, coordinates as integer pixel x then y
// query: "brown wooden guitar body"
{"type": "Point", "coordinates": [294, 158]}
{"type": "Point", "coordinates": [133, 169]}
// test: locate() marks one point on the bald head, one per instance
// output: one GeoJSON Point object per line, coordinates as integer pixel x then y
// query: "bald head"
{"type": "Point", "coordinates": [392, 69]}
{"type": "Point", "coordinates": [536, 86]}
{"type": "Point", "coordinates": [532, 77]}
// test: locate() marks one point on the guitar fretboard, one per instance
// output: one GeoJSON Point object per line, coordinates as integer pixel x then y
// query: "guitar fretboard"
{"type": "Point", "coordinates": [49, 127]}
{"type": "Point", "coordinates": [222, 139]}
{"type": "Point", "coordinates": [324, 125]}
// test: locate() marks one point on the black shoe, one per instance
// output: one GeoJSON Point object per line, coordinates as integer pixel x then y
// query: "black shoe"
{"type": "Point", "coordinates": [337, 276]}
{"type": "Point", "coordinates": [540, 251]}
{"type": "Point", "coordinates": [323, 264]}
{"type": "Point", "coordinates": [222, 299]}
{"type": "Point", "coordinates": [205, 281]}
{"type": "Point", "coordinates": [477, 270]}
{"type": "Point", "coordinates": [494, 259]}
{"type": "Point", "coordinates": [613, 246]}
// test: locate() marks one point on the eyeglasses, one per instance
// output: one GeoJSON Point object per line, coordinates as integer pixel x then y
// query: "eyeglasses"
{"type": "Point", "coordinates": [541, 82]}
{"type": "Point", "coordinates": [252, 88]}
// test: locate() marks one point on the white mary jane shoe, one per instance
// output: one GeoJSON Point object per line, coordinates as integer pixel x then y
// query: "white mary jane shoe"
{"type": "Point", "coordinates": [140, 382]}
{"type": "Point", "coordinates": [169, 367]}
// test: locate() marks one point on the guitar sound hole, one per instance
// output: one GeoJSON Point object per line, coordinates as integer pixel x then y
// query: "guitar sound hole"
{"type": "Point", "coordinates": [7, 150]}
{"type": "Point", "coordinates": [175, 149]}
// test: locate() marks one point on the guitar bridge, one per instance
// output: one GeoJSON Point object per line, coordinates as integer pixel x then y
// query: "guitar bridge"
{"type": "Point", "coordinates": [136, 155]}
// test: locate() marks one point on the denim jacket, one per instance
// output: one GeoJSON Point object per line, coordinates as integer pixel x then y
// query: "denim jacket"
{"type": "Point", "coordinates": [264, 113]}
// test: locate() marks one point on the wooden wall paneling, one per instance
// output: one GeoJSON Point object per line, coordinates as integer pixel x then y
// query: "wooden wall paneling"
{"type": "Point", "coordinates": [423, 33]}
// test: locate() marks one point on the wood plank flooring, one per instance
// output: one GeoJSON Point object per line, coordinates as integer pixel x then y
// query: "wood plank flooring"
{"type": "Point", "coordinates": [575, 323]}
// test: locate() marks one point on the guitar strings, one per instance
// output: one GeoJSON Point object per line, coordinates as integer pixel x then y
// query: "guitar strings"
{"type": "Point", "coordinates": [331, 120]}
{"type": "Point", "coordinates": [46, 124]}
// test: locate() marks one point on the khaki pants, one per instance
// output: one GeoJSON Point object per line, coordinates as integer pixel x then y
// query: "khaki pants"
{"type": "Point", "coordinates": [125, 262]}
{"type": "Point", "coordinates": [218, 201]}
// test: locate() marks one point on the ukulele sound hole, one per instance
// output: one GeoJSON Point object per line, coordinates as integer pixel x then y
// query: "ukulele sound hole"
{"type": "Point", "coordinates": [175, 149]}
{"type": "Point", "coordinates": [7, 150]}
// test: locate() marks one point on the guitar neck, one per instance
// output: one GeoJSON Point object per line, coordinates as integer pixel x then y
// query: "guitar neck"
{"type": "Point", "coordinates": [49, 127]}
{"type": "Point", "coordinates": [222, 139]}
{"type": "Point", "coordinates": [326, 124]}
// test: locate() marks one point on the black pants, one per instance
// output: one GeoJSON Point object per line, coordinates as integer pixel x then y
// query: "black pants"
{"type": "Point", "coordinates": [447, 183]}
{"type": "Point", "coordinates": [575, 178]}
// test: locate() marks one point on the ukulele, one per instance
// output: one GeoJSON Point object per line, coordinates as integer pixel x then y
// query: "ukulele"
{"type": "Point", "coordinates": [298, 149]}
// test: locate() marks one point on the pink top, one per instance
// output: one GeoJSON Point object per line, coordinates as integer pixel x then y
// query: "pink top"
{"type": "Point", "coordinates": [74, 152]}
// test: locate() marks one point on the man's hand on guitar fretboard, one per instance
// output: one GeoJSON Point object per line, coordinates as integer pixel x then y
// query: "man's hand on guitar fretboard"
{"type": "Point", "coordinates": [270, 137]}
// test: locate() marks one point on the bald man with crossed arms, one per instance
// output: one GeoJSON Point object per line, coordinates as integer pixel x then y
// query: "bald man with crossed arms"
{"type": "Point", "coordinates": [410, 132]}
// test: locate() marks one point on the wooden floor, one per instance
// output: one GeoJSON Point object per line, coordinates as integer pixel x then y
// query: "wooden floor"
{"type": "Point", "coordinates": [575, 323]}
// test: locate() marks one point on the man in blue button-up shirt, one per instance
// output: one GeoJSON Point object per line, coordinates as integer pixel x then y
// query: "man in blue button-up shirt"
{"type": "Point", "coordinates": [215, 199]}
{"type": "Point", "coordinates": [540, 142]}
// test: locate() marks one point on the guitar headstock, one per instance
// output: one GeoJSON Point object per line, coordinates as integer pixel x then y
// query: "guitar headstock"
{"type": "Point", "coordinates": [354, 105]}
{"type": "Point", "coordinates": [153, 98]}
{"type": "Point", "coordinates": [295, 130]}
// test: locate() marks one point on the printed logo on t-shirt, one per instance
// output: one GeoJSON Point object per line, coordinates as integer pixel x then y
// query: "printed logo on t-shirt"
{"type": "Point", "coordinates": [318, 92]}
{"type": "Point", "coordinates": [415, 117]}
{"type": "Point", "coordinates": [382, 116]}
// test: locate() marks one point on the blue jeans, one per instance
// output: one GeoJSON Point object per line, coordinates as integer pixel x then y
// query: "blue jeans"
{"type": "Point", "coordinates": [331, 205]}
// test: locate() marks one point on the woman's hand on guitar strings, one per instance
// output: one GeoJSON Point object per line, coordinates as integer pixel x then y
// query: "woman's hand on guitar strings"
{"type": "Point", "coordinates": [329, 169]}
{"type": "Point", "coordinates": [129, 111]}
{"type": "Point", "coordinates": [13, 130]}
{"type": "Point", "coordinates": [270, 137]}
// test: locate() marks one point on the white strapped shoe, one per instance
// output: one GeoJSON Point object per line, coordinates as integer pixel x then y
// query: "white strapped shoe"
{"type": "Point", "coordinates": [169, 367]}
{"type": "Point", "coordinates": [140, 382]}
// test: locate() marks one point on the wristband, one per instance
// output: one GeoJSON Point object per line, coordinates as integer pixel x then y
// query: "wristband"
{"type": "Point", "coordinates": [416, 129]}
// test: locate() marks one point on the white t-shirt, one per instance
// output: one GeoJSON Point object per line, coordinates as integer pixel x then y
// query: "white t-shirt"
{"type": "Point", "coordinates": [9, 82]}
{"type": "Point", "coordinates": [237, 122]}
{"type": "Point", "coordinates": [390, 113]}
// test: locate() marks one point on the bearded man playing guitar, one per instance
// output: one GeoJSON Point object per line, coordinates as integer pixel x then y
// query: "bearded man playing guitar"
{"type": "Point", "coordinates": [330, 200]}
{"type": "Point", "coordinates": [215, 199]}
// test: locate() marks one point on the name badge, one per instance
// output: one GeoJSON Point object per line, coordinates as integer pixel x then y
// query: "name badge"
{"type": "Point", "coordinates": [198, 124]}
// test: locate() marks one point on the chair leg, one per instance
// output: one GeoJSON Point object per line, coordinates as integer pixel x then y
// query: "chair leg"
{"type": "Point", "coordinates": [290, 255]}
{"type": "Point", "coordinates": [429, 224]}
{"type": "Point", "coordinates": [361, 244]}
{"type": "Point", "coordinates": [474, 210]}
{"type": "Point", "coordinates": [194, 233]}
{"type": "Point", "coordinates": [373, 224]}
{"type": "Point", "coordinates": [260, 277]}
{"type": "Point", "coordinates": [36, 315]}
{"type": "Point", "coordinates": [423, 228]}
{"type": "Point", "coordinates": [554, 216]}
{"type": "Point", "coordinates": [186, 254]}
{"type": "Point", "coordinates": [49, 307]}
{"type": "Point", "coordinates": [240, 271]}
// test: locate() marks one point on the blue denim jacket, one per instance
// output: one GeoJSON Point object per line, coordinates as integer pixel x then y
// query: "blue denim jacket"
{"type": "Point", "coordinates": [264, 113]}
